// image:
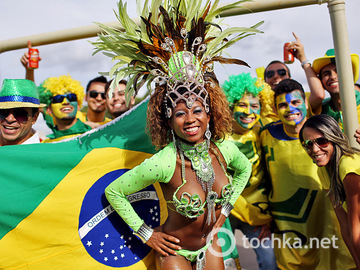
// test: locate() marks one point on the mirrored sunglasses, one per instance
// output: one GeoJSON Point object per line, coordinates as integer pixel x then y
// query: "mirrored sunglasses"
{"type": "Point", "coordinates": [271, 73]}
{"type": "Point", "coordinates": [59, 98]}
{"type": "Point", "coordinates": [321, 142]}
{"type": "Point", "coordinates": [95, 94]}
{"type": "Point", "coordinates": [21, 115]}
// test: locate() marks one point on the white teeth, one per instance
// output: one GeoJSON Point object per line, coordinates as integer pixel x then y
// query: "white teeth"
{"type": "Point", "coordinates": [318, 156]}
{"type": "Point", "coordinates": [192, 129]}
{"type": "Point", "coordinates": [10, 128]}
{"type": "Point", "coordinates": [117, 106]}
{"type": "Point", "coordinates": [292, 116]}
{"type": "Point", "coordinates": [247, 119]}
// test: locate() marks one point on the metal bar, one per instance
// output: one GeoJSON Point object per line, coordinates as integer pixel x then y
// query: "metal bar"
{"type": "Point", "coordinates": [344, 68]}
{"type": "Point", "coordinates": [268, 5]}
{"type": "Point", "coordinates": [93, 30]}
{"type": "Point", "coordinates": [54, 37]}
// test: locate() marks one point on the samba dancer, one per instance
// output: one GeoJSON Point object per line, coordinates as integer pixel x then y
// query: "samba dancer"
{"type": "Point", "coordinates": [188, 118]}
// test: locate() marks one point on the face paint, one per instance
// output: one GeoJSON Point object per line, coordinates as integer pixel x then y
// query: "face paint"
{"type": "Point", "coordinates": [247, 111]}
{"type": "Point", "coordinates": [65, 109]}
{"type": "Point", "coordinates": [291, 108]}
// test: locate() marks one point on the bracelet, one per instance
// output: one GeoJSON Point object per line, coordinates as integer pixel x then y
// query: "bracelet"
{"type": "Point", "coordinates": [305, 62]}
{"type": "Point", "coordinates": [226, 209]}
{"type": "Point", "coordinates": [144, 233]}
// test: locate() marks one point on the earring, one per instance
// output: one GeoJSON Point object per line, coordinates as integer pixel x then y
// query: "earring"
{"type": "Point", "coordinates": [208, 133]}
{"type": "Point", "coordinates": [173, 136]}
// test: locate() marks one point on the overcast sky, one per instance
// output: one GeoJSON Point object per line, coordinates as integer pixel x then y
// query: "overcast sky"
{"type": "Point", "coordinates": [19, 18]}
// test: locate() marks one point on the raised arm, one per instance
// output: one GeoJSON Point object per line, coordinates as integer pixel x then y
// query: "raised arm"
{"type": "Point", "coordinates": [317, 92]}
{"type": "Point", "coordinates": [352, 190]}
{"type": "Point", "coordinates": [29, 73]}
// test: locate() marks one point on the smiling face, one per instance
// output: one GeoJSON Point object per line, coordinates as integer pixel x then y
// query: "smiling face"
{"type": "Point", "coordinates": [320, 155]}
{"type": "Point", "coordinates": [189, 124]}
{"type": "Point", "coordinates": [291, 108]}
{"type": "Point", "coordinates": [276, 78]}
{"type": "Point", "coordinates": [116, 105]}
{"type": "Point", "coordinates": [96, 104]}
{"type": "Point", "coordinates": [247, 111]}
{"type": "Point", "coordinates": [14, 132]}
{"type": "Point", "coordinates": [65, 110]}
{"type": "Point", "coordinates": [329, 79]}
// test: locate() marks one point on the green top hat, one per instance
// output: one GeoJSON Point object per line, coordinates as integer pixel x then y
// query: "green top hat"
{"type": "Point", "coordinates": [329, 58]}
{"type": "Point", "coordinates": [18, 93]}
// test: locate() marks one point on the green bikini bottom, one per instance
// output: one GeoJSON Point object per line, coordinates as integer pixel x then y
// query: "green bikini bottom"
{"type": "Point", "coordinates": [196, 255]}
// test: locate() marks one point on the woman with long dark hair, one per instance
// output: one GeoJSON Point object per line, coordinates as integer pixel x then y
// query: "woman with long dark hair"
{"type": "Point", "coordinates": [339, 171]}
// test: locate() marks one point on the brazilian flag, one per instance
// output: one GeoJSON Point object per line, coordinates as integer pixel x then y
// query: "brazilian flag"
{"type": "Point", "coordinates": [53, 211]}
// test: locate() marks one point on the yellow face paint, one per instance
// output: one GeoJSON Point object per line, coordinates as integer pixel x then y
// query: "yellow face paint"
{"type": "Point", "coordinates": [65, 109]}
{"type": "Point", "coordinates": [291, 108]}
{"type": "Point", "coordinates": [247, 111]}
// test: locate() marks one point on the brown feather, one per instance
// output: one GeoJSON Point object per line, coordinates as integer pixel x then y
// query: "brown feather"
{"type": "Point", "coordinates": [170, 31]}
{"type": "Point", "coordinates": [206, 12]}
{"type": "Point", "coordinates": [224, 60]}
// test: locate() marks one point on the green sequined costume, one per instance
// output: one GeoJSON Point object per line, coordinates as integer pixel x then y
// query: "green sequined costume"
{"type": "Point", "coordinates": [160, 168]}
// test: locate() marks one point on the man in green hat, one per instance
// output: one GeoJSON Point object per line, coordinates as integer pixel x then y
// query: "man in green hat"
{"type": "Point", "coordinates": [19, 110]}
{"type": "Point", "coordinates": [322, 75]}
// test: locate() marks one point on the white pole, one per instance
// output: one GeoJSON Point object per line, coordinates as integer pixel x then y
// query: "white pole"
{"type": "Point", "coordinates": [344, 68]}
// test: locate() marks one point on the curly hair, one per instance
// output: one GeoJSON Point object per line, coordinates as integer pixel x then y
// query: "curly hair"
{"type": "Point", "coordinates": [239, 85]}
{"type": "Point", "coordinates": [59, 86]}
{"type": "Point", "coordinates": [158, 125]}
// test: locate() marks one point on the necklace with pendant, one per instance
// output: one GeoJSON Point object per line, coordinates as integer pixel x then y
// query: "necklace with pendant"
{"type": "Point", "coordinates": [201, 163]}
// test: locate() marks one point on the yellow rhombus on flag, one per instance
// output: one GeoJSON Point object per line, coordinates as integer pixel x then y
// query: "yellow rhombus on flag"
{"type": "Point", "coordinates": [54, 214]}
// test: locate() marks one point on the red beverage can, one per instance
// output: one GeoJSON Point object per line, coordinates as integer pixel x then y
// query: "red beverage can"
{"type": "Point", "coordinates": [33, 58]}
{"type": "Point", "coordinates": [288, 54]}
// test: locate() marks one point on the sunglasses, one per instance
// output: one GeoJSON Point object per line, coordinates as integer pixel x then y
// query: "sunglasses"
{"type": "Point", "coordinates": [271, 73]}
{"type": "Point", "coordinates": [95, 94]}
{"type": "Point", "coordinates": [21, 115]}
{"type": "Point", "coordinates": [59, 98]}
{"type": "Point", "coordinates": [321, 142]}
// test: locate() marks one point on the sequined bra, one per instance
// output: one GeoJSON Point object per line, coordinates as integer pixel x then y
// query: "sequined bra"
{"type": "Point", "coordinates": [191, 206]}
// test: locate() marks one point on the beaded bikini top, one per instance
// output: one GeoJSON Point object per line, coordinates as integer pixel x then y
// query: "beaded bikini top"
{"type": "Point", "coordinates": [192, 206]}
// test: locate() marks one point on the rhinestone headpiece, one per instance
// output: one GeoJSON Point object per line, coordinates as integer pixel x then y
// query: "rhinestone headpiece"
{"type": "Point", "coordinates": [185, 79]}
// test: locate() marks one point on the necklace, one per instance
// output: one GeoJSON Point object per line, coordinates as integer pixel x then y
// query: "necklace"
{"type": "Point", "coordinates": [201, 163]}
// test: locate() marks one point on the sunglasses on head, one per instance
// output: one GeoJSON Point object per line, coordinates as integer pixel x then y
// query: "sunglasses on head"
{"type": "Point", "coordinates": [271, 73]}
{"type": "Point", "coordinates": [59, 98]}
{"type": "Point", "coordinates": [321, 142]}
{"type": "Point", "coordinates": [95, 94]}
{"type": "Point", "coordinates": [21, 115]}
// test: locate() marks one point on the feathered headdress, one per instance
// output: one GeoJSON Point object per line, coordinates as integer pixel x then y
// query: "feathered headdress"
{"type": "Point", "coordinates": [176, 42]}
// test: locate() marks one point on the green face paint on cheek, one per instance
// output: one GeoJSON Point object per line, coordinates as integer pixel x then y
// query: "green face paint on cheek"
{"type": "Point", "coordinates": [64, 109]}
{"type": "Point", "coordinates": [247, 111]}
{"type": "Point", "coordinates": [291, 108]}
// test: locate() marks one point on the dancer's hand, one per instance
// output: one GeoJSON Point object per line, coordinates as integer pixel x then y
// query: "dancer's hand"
{"type": "Point", "coordinates": [163, 243]}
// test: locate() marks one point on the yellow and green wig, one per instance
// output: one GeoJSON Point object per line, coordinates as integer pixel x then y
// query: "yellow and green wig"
{"type": "Point", "coordinates": [61, 85]}
{"type": "Point", "coordinates": [239, 85]}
